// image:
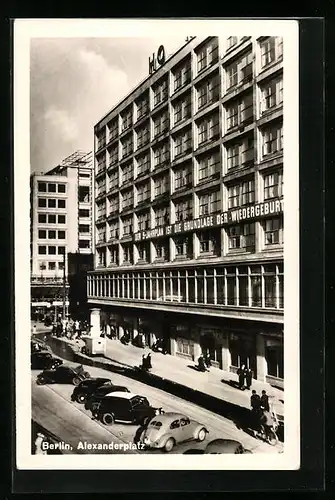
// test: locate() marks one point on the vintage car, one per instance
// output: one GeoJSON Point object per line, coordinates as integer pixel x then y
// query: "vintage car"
{"type": "Point", "coordinates": [37, 345]}
{"type": "Point", "coordinates": [43, 360]}
{"type": "Point", "coordinates": [63, 374]}
{"type": "Point", "coordinates": [221, 446]}
{"type": "Point", "coordinates": [170, 429]}
{"type": "Point", "coordinates": [124, 407]}
{"type": "Point", "coordinates": [88, 387]}
{"type": "Point", "coordinates": [101, 392]}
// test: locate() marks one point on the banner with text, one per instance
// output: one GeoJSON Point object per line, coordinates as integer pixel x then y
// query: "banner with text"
{"type": "Point", "coordinates": [245, 214]}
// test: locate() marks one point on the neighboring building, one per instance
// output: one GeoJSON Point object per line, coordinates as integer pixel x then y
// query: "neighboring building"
{"type": "Point", "coordinates": [78, 266]}
{"type": "Point", "coordinates": [61, 223]}
{"type": "Point", "coordinates": [189, 206]}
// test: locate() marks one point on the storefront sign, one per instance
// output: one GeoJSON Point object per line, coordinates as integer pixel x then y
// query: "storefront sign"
{"type": "Point", "coordinates": [251, 212]}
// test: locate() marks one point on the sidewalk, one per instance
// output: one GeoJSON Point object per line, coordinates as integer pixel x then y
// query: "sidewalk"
{"type": "Point", "coordinates": [216, 383]}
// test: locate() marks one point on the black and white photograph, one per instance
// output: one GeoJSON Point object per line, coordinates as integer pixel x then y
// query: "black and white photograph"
{"type": "Point", "coordinates": [156, 244]}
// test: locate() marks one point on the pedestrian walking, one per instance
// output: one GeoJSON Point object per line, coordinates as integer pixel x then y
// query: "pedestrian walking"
{"type": "Point", "coordinates": [208, 362]}
{"type": "Point", "coordinates": [265, 401]}
{"type": "Point", "coordinates": [38, 444]}
{"type": "Point", "coordinates": [241, 377]}
{"type": "Point", "coordinates": [255, 401]}
{"type": "Point", "coordinates": [34, 329]}
{"type": "Point", "coordinates": [248, 377]}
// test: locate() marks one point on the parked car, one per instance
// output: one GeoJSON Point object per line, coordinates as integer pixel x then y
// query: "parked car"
{"type": "Point", "coordinates": [63, 374]}
{"type": "Point", "coordinates": [43, 360]}
{"type": "Point", "coordinates": [221, 446]}
{"type": "Point", "coordinates": [124, 407]}
{"type": "Point", "coordinates": [87, 387]}
{"type": "Point", "coordinates": [101, 392]}
{"type": "Point", "coordinates": [170, 429]}
{"type": "Point", "coordinates": [39, 346]}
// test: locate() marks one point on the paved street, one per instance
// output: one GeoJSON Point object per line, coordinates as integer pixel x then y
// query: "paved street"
{"type": "Point", "coordinates": [52, 408]}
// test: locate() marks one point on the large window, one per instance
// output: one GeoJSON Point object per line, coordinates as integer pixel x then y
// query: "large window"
{"type": "Point", "coordinates": [162, 154]}
{"type": "Point", "coordinates": [273, 185]}
{"type": "Point", "coordinates": [273, 231]}
{"type": "Point", "coordinates": [51, 187]}
{"type": "Point", "coordinates": [42, 234]}
{"type": "Point", "coordinates": [160, 91]}
{"type": "Point", "coordinates": [42, 202]}
{"type": "Point", "coordinates": [182, 109]}
{"type": "Point", "coordinates": [113, 204]}
{"type": "Point", "coordinates": [127, 146]}
{"type": "Point", "coordinates": [128, 253]}
{"type": "Point", "coordinates": [83, 194]}
{"type": "Point", "coordinates": [162, 250]}
{"type": "Point", "coordinates": [61, 203]}
{"type": "Point", "coordinates": [161, 216]}
{"type": "Point", "coordinates": [113, 155]}
{"type": "Point", "coordinates": [272, 140]}
{"type": "Point", "coordinates": [127, 223]}
{"type": "Point", "coordinates": [209, 203]}
{"type": "Point", "coordinates": [162, 185]}
{"type": "Point", "coordinates": [113, 129]}
{"type": "Point", "coordinates": [184, 246]}
{"type": "Point", "coordinates": [242, 236]}
{"type": "Point", "coordinates": [271, 95]}
{"type": "Point", "coordinates": [142, 106]}
{"type": "Point", "coordinates": [183, 210]}
{"type": "Point", "coordinates": [143, 136]}
{"type": "Point", "coordinates": [241, 153]}
{"type": "Point", "coordinates": [209, 165]}
{"type": "Point", "coordinates": [208, 129]}
{"type": "Point", "coordinates": [240, 71]}
{"type": "Point", "coordinates": [143, 192]}
{"type": "Point", "coordinates": [114, 230]}
{"type": "Point", "coordinates": [183, 143]}
{"type": "Point", "coordinates": [208, 92]}
{"type": "Point", "coordinates": [240, 112]}
{"type": "Point", "coordinates": [127, 118]}
{"type": "Point", "coordinates": [143, 164]}
{"type": "Point", "coordinates": [210, 242]}
{"type": "Point", "coordinates": [241, 194]}
{"type": "Point", "coordinates": [143, 221]}
{"type": "Point", "coordinates": [127, 199]}
{"type": "Point", "coordinates": [182, 75]}
{"type": "Point", "coordinates": [161, 123]}
{"type": "Point", "coordinates": [207, 55]}
{"type": "Point", "coordinates": [114, 177]}
{"type": "Point", "coordinates": [42, 218]}
{"type": "Point", "coordinates": [183, 177]}
{"type": "Point", "coordinates": [51, 203]}
{"type": "Point", "coordinates": [42, 187]}
{"type": "Point", "coordinates": [271, 50]}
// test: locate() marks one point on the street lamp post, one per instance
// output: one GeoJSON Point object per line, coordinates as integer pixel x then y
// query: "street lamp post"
{"type": "Point", "coordinates": [64, 287]}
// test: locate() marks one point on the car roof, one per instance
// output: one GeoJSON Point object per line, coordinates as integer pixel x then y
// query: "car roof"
{"type": "Point", "coordinates": [123, 395]}
{"type": "Point", "coordinates": [170, 417]}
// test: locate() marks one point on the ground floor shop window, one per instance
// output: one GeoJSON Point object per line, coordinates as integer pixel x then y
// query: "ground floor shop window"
{"type": "Point", "coordinates": [275, 358]}
{"type": "Point", "coordinates": [184, 346]}
{"type": "Point", "coordinates": [209, 344]}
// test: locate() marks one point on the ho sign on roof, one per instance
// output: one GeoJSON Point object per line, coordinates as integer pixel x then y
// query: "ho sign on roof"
{"type": "Point", "coordinates": [159, 58]}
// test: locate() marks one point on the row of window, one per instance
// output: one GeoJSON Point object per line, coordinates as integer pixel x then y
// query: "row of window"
{"type": "Point", "coordinates": [248, 286]}
{"type": "Point", "coordinates": [51, 266]}
{"type": "Point", "coordinates": [239, 71]}
{"type": "Point", "coordinates": [240, 237]}
{"type": "Point", "coordinates": [239, 152]}
{"type": "Point", "coordinates": [239, 112]}
{"type": "Point", "coordinates": [51, 219]}
{"type": "Point", "coordinates": [51, 187]}
{"type": "Point", "coordinates": [51, 235]}
{"type": "Point", "coordinates": [51, 203]}
{"type": "Point", "coordinates": [241, 193]}
{"type": "Point", "coordinates": [51, 250]}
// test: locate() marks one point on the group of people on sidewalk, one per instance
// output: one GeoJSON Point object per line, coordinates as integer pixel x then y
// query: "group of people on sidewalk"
{"type": "Point", "coordinates": [245, 375]}
{"type": "Point", "coordinates": [70, 328]}
{"type": "Point", "coordinates": [262, 411]}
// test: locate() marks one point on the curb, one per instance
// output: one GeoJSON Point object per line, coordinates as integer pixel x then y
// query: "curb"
{"type": "Point", "coordinates": [229, 410]}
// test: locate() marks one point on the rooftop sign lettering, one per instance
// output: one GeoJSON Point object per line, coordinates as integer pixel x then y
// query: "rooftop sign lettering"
{"type": "Point", "coordinates": [159, 59]}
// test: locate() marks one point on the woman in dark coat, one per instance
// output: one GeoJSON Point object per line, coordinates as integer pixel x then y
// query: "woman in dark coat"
{"type": "Point", "coordinates": [248, 377]}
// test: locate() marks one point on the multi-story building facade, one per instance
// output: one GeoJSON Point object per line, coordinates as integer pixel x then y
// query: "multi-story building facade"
{"type": "Point", "coordinates": [189, 206]}
{"type": "Point", "coordinates": [61, 223]}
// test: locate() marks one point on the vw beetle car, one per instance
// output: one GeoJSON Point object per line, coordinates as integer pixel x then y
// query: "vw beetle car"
{"type": "Point", "coordinates": [170, 429]}
{"type": "Point", "coordinates": [63, 374]}
{"type": "Point", "coordinates": [43, 360]}
{"type": "Point", "coordinates": [95, 398]}
{"type": "Point", "coordinates": [89, 387]}
{"type": "Point", "coordinates": [223, 446]}
{"type": "Point", "coordinates": [124, 407]}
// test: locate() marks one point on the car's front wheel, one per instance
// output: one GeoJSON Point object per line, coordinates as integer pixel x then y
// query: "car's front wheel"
{"type": "Point", "coordinates": [40, 381]}
{"type": "Point", "coordinates": [108, 418]}
{"type": "Point", "coordinates": [169, 445]}
{"type": "Point", "coordinates": [201, 434]}
{"type": "Point", "coordinates": [76, 381]}
{"type": "Point", "coordinates": [81, 398]}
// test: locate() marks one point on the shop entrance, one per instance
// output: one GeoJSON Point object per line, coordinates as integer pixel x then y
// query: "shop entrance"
{"type": "Point", "coordinates": [243, 352]}
{"type": "Point", "coordinates": [209, 344]}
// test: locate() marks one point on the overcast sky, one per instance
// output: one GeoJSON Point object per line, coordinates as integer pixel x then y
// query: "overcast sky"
{"type": "Point", "coordinates": [74, 82]}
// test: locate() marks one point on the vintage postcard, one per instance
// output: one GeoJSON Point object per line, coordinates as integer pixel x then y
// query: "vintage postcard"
{"type": "Point", "coordinates": [156, 244]}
